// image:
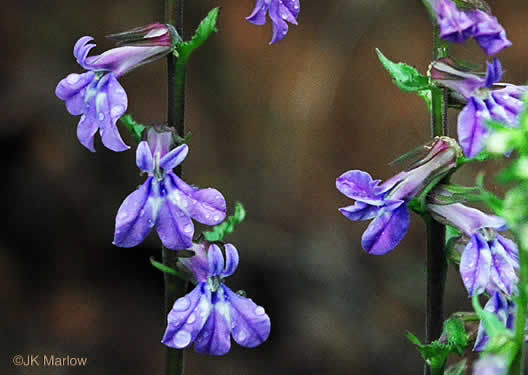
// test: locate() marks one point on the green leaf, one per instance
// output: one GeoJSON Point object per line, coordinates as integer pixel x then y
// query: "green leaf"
{"type": "Point", "coordinates": [228, 226]}
{"type": "Point", "coordinates": [456, 335]}
{"type": "Point", "coordinates": [133, 127]}
{"type": "Point", "coordinates": [435, 353]}
{"type": "Point", "coordinates": [165, 269]}
{"type": "Point", "coordinates": [407, 78]}
{"type": "Point", "coordinates": [203, 32]}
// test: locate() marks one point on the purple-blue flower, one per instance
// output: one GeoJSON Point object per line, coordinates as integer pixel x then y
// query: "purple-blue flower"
{"type": "Point", "coordinates": [165, 201]}
{"type": "Point", "coordinates": [211, 313]}
{"type": "Point", "coordinates": [491, 364]}
{"type": "Point", "coordinates": [280, 11]}
{"type": "Point", "coordinates": [386, 203]}
{"type": "Point", "coordinates": [486, 100]}
{"type": "Point", "coordinates": [457, 26]}
{"type": "Point", "coordinates": [504, 310]}
{"type": "Point", "coordinates": [96, 95]}
{"type": "Point", "coordinates": [489, 260]}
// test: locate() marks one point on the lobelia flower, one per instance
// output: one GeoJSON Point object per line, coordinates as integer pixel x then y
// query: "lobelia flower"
{"type": "Point", "coordinates": [490, 365]}
{"type": "Point", "coordinates": [164, 200]}
{"type": "Point", "coordinates": [386, 203]}
{"type": "Point", "coordinates": [489, 260]}
{"type": "Point", "coordinates": [458, 25]}
{"type": "Point", "coordinates": [279, 11]}
{"type": "Point", "coordinates": [486, 100]}
{"type": "Point", "coordinates": [212, 312]}
{"type": "Point", "coordinates": [504, 310]}
{"type": "Point", "coordinates": [96, 95]}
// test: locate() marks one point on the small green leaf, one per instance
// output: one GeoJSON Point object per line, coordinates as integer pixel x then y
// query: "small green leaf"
{"type": "Point", "coordinates": [456, 335]}
{"type": "Point", "coordinates": [203, 32]}
{"type": "Point", "coordinates": [133, 127]}
{"type": "Point", "coordinates": [228, 226]}
{"type": "Point", "coordinates": [165, 269]}
{"type": "Point", "coordinates": [406, 77]}
{"type": "Point", "coordinates": [435, 353]}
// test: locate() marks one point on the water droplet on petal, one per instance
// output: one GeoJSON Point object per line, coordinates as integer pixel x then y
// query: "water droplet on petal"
{"type": "Point", "coordinates": [242, 335]}
{"type": "Point", "coordinates": [260, 310]}
{"type": "Point", "coordinates": [101, 116]}
{"type": "Point", "coordinates": [188, 228]}
{"type": "Point", "coordinates": [216, 218]}
{"type": "Point", "coordinates": [73, 78]}
{"type": "Point", "coordinates": [182, 339]}
{"type": "Point", "coordinates": [191, 319]}
{"type": "Point", "coordinates": [181, 304]}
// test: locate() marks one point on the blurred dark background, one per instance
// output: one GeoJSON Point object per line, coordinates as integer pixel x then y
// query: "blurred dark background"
{"type": "Point", "coordinates": [272, 127]}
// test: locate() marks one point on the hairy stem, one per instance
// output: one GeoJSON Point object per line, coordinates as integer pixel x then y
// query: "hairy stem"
{"type": "Point", "coordinates": [436, 257]}
{"type": "Point", "coordinates": [174, 287]}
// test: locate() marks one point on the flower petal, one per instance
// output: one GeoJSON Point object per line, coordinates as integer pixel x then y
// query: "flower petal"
{"type": "Point", "coordinates": [472, 130]}
{"type": "Point", "coordinates": [137, 215]}
{"type": "Point", "coordinates": [358, 185]}
{"type": "Point", "coordinates": [386, 231]}
{"type": "Point", "coordinates": [188, 317]}
{"type": "Point", "coordinates": [86, 130]}
{"type": "Point", "coordinates": [175, 228]}
{"type": "Point", "coordinates": [502, 308]}
{"type": "Point", "coordinates": [215, 260]}
{"type": "Point", "coordinates": [174, 158]}
{"type": "Point", "coordinates": [207, 206]}
{"type": "Point", "coordinates": [231, 260]}
{"type": "Point", "coordinates": [455, 25]}
{"type": "Point", "coordinates": [81, 49]}
{"type": "Point", "coordinates": [360, 211]}
{"type": "Point", "coordinates": [110, 104]}
{"type": "Point", "coordinates": [250, 325]}
{"type": "Point", "coordinates": [214, 339]}
{"type": "Point", "coordinates": [199, 263]}
{"type": "Point", "coordinates": [71, 90]}
{"type": "Point", "coordinates": [144, 159]}
{"type": "Point", "coordinates": [475, 265]}
{"type": "Point", "coordinates": [511, 250]}
{"type": "Point", "coordinates": [502, 272]}
{"type": "Point", "coordinates": [258, 16]}
{"type": "Point", "coordinates": [489, 34]}
{"type": "Point", "coordinates": [278, 14]}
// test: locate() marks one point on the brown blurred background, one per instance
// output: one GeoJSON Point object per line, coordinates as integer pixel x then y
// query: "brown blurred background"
{"type": "Point", "coordinates": [272, 127]}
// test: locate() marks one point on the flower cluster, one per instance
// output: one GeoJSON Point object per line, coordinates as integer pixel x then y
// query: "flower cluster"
{"type": "Point", "coordinates": [486, 100]}
{"type": "Point", "coordinates": [387, 203]}
{"type": "Point", "coordinates": [96, 95]}
{"type": "Point", "coordinates": [165, 201]}
{"type": "Point", "coordinates": [458, 25]}
{"type": "Point", "coordinates": [488, 261]}
{"type": "Point", "coordinates": [280, 11]}
{"type": "Point", "coordinates": [211, 313]}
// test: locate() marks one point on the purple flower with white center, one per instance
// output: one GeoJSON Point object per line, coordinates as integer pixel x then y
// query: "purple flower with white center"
{"type": "Point", "coordinates": [490, 365]}
{"type": "Point", "coordinates": [386, 203]}
{"type": "Point", "coordinates": [489, 261]}
{"type": "Point", "coordinates": [486, 100]}
{"type": "Point", "coordinates": [164, 200]}
{"type": "Point", "coordinates": [212, 312]}
{"type": "Point", "coordinates": [280, 12]}
{"type": "Point", "coordinates": [457, 26]}
{"type": "Point", "coordinates": [504, 310]}
{"type": "Point", "coordinates": [96, 95]}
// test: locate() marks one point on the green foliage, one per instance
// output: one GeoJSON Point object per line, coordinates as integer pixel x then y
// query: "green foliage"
{"type": "Point", "coordinates": [203, 32]}
{"type": "Point", "coordinates": [228, 226]}
{"type": "Point", "coordinates": [407, 78]}
{"type": "Point", "coordinates": [454, 340]}
{"type": "Point", "coordinates": [133, 127]}
{"type": "Point", "coordinates": [472, 5]}
{"type": "Point", "coordinates": [165, 269]}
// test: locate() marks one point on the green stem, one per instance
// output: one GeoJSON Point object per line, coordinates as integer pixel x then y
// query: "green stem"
{"type": "Point", "coordinates": [517, 367]}
{"type": "Point", "coordinates": [174, 287]}
{"type": "Point", "coordinates": [436, 257]}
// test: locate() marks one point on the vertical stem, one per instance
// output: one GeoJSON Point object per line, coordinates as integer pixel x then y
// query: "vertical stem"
{"type": "Point", "coordinates": [174, 287]}
{"type": "Point", "coordinates": [436, 259]}
{"type": "Point", "coordinates": [517, 367]}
